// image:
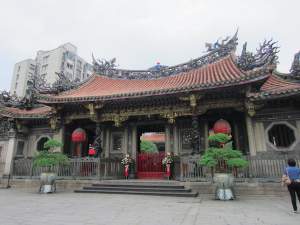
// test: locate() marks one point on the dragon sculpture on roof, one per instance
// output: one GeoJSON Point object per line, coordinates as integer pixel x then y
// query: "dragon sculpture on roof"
{"type": "Point", "coordinates": [215, 51]}
{"type": "Point", "coordinates": [266, 54]}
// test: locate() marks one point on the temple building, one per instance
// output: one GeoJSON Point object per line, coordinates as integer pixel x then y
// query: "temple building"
{"type": "Point", "coordinates": [115, 107]}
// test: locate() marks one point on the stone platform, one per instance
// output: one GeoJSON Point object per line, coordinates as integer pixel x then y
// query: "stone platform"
{"type": "Point", "coordinates": [22, 206]}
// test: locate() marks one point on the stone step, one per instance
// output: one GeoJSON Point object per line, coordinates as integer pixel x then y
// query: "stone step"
{"type": "Point", "coordinates": [139, 185]}
{"type": "Point", "coordinates": [175, 194]}
{"type": "Point", "coordinates": [137, 188]}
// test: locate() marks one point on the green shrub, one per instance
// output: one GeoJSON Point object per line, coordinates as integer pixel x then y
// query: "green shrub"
{"type": "Point", "coordinates": [148, 147]}
{"type": "Point", "coordinates": [49, 159]}
{"type": "Point", "coordinates": [237, 163]}
{"type": "Point", "coordinates": [51, 144]}
{"type": "Point", "coordinates": [221, 155]}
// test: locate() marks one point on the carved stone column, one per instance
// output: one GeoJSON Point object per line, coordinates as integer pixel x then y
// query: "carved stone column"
{"type": "Point", "coordinates": [125, 150]}
{"type": "Point", "coordinates": [134, 142]}
{"type": "Point", "coordinates": [168, 138]}
{"type": "Point", "coordinates": [11, 152]}
{"type": "Point", "coordinates": [107, 142]}
{"type": "Point", "coordinates": [59, 135]}
{"type": "Point", "coordinates": [251, 137]}
{"type": "Point", "coordinates": [176, 139]}
{"type": "Point", "coordinates": [98, 139]}
{"type": "Point", "coordinates": [196, 134]}
{"type": "Point", "coordinates": [206, 134]}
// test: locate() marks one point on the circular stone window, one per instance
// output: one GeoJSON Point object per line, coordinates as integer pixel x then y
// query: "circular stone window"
{"type": "Point", "coordinates": [281, 135]}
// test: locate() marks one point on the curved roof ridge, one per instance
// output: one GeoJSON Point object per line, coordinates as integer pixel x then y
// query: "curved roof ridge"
{"type": "Point", "coordinates": [275, 86]}
{"type": "Point", "coordinates": [102, 87]}
{"type": "Point", "coordinates": [276, 81]}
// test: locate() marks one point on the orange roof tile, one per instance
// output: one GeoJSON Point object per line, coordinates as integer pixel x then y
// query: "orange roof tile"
{"type": "Point", "coordinates": [275, 86]}
{"type": "Point", "coordinates": [35, 112]}
{"type": "Point", "coordinates": [223, 72]}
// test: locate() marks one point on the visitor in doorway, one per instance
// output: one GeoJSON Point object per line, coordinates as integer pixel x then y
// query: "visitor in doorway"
{"type": "Point", "coordinates": [293, 172]}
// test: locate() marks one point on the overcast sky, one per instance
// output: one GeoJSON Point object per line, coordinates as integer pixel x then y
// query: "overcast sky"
{"type": "Point", "coordinates": [141, 32]}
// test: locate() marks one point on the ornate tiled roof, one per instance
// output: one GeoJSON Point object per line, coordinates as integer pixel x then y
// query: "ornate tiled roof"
{"type": "Point", "coordinates": [276, 87]}
{"type": "Point", "coordinates": [39, 112]}
{"type": "Point", "coordinates": [222, 73]}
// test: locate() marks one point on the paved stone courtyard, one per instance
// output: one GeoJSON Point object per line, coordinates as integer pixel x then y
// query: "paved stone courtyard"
{"type": "Point", "coordinates": [23, 207]}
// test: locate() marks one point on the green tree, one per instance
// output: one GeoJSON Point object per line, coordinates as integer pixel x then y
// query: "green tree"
{"type": "Point", "coordinates": [48, 158]}
{"type": "Point", "coordinates": [51, 144]}
{"type": "Point", "coordinates": [220, 154]}
{"type": "Point", "coordinates": [148, 147]}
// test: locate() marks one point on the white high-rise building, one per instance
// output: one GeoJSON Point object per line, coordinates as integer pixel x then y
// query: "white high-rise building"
{"type": "Point", "coordinates": [22, 71]}
{"type": "Point", "coordinates": [47, 64]}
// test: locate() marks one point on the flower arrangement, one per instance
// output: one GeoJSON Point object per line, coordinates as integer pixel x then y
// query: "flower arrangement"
{"type": "Point", "coordinates": [127, 160]}
{"type": "Point", "coordinates": [168, 159]}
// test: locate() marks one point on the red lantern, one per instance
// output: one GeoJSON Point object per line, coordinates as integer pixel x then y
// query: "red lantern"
{"type": "Point", "coordinates": [92, 151]}
{"type": "Point", "coordinates": [79, 135]}
{"type": "Point", "coordinates": [222, 126]}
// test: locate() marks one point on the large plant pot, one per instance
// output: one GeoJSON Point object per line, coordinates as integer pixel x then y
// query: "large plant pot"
{"type": "Point", "coordinates": [48, 182]}
{"type": "Point", "coordinates": [224, 186]}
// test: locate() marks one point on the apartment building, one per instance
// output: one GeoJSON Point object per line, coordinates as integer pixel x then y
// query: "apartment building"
{"type": "Point", "coordinates": [47, 64]}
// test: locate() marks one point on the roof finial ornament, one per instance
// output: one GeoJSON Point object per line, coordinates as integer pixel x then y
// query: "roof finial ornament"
{"type": "Point", "coordinates": [103, 66]}
{"type": "Point", "coordinates": [215, 51]}
{"type": "Point", "coordinates": [224, 46]}
{"type": "Point", "coordinates": [266, 54]}
{"type": "Point", "coordinates": [295, 68]}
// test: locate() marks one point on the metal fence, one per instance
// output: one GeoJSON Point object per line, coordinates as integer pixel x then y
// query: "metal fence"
{"type": "Point", "coordinates": [259, 168]}
{"type": "Point", "coordinates": [184, 170]}
{"type": "Point", "coordinates": [79, 168]}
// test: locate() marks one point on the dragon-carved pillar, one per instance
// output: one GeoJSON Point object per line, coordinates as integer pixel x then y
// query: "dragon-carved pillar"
{"type": "Point", "coordinates": [98, 138]}
{"type": "Point", "coordinates": [195, 134]}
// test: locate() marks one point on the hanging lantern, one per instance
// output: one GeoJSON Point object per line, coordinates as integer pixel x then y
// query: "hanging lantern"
{"type": "Point", "coordinates": [92, 151]}
{"type": "Point", "coordinates": [79, 135]}
{"type": "Point", "coordinates": [222, 126]}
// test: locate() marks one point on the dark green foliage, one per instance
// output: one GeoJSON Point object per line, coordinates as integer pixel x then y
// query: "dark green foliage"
{"type": "Point", "coordinates": [222, 154]}
{"type": "Point", "coordinates": [218, 140]}
{"type": "Point", "coordinates": [237, 163]}
{"type": "Point", "coordinates": [49, 159]}
{"type": "Point", "coordinates": [52, 143]}
{"type": "Point", "coordinates": [148, 147]}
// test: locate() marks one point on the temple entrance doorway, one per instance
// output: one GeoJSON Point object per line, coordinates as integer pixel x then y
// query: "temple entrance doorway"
{"type": "Point", "coordinates": [79, 149]}
{"type": "Point", "coordinates": [150, 151]}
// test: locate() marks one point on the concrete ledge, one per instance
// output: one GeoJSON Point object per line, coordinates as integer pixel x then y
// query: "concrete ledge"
{"type": "Point", "coordinates": [243, 188]}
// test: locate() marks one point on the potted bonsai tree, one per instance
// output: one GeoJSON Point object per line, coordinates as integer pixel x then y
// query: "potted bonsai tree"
{"type": "Point", "coordinates": [223, 162]}
{"type": "Point", "coordinates": [48, 160]}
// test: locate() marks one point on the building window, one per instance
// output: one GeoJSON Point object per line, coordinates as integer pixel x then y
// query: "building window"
{"type": "Point", "coordinates": [44, 68]}
{"type": "Point", "coordinates": [117, 142]}
{"type": "Point", "coordinates": [18, 76]}
{"type": "Point", "coordinates": [20, 148]}
{"type": "Point", "coordinates": [281, 135]}
{"type": "Point", "coordinates": [19, 68]}
{"type": "Point", "coordinates": [45, 59]}
{"type": "Point", "coordinates": [16, 86]}
{"type": "Point", "coordinates": [69, 66]}
{"type": "Point", "coordinates": [40, 143]}
{"type": "Point", "coordinates": [186, 138]}
{"type": "Point", "coordinates": [1, 152]}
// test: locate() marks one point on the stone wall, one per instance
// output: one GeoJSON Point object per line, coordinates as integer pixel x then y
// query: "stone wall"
{"type": "Point", "coordinates": [265, 148]}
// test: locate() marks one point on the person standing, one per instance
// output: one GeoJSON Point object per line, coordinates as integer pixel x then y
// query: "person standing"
{"type": "Point", "coordinates": [293, 173]}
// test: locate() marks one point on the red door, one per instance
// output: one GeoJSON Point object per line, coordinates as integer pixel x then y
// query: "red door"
{"type": "Point", "coordinates": [150, 165]}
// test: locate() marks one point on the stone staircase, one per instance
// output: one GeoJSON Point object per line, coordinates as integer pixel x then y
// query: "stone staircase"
{"type": "Point", "coordinates": [159, 188]}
